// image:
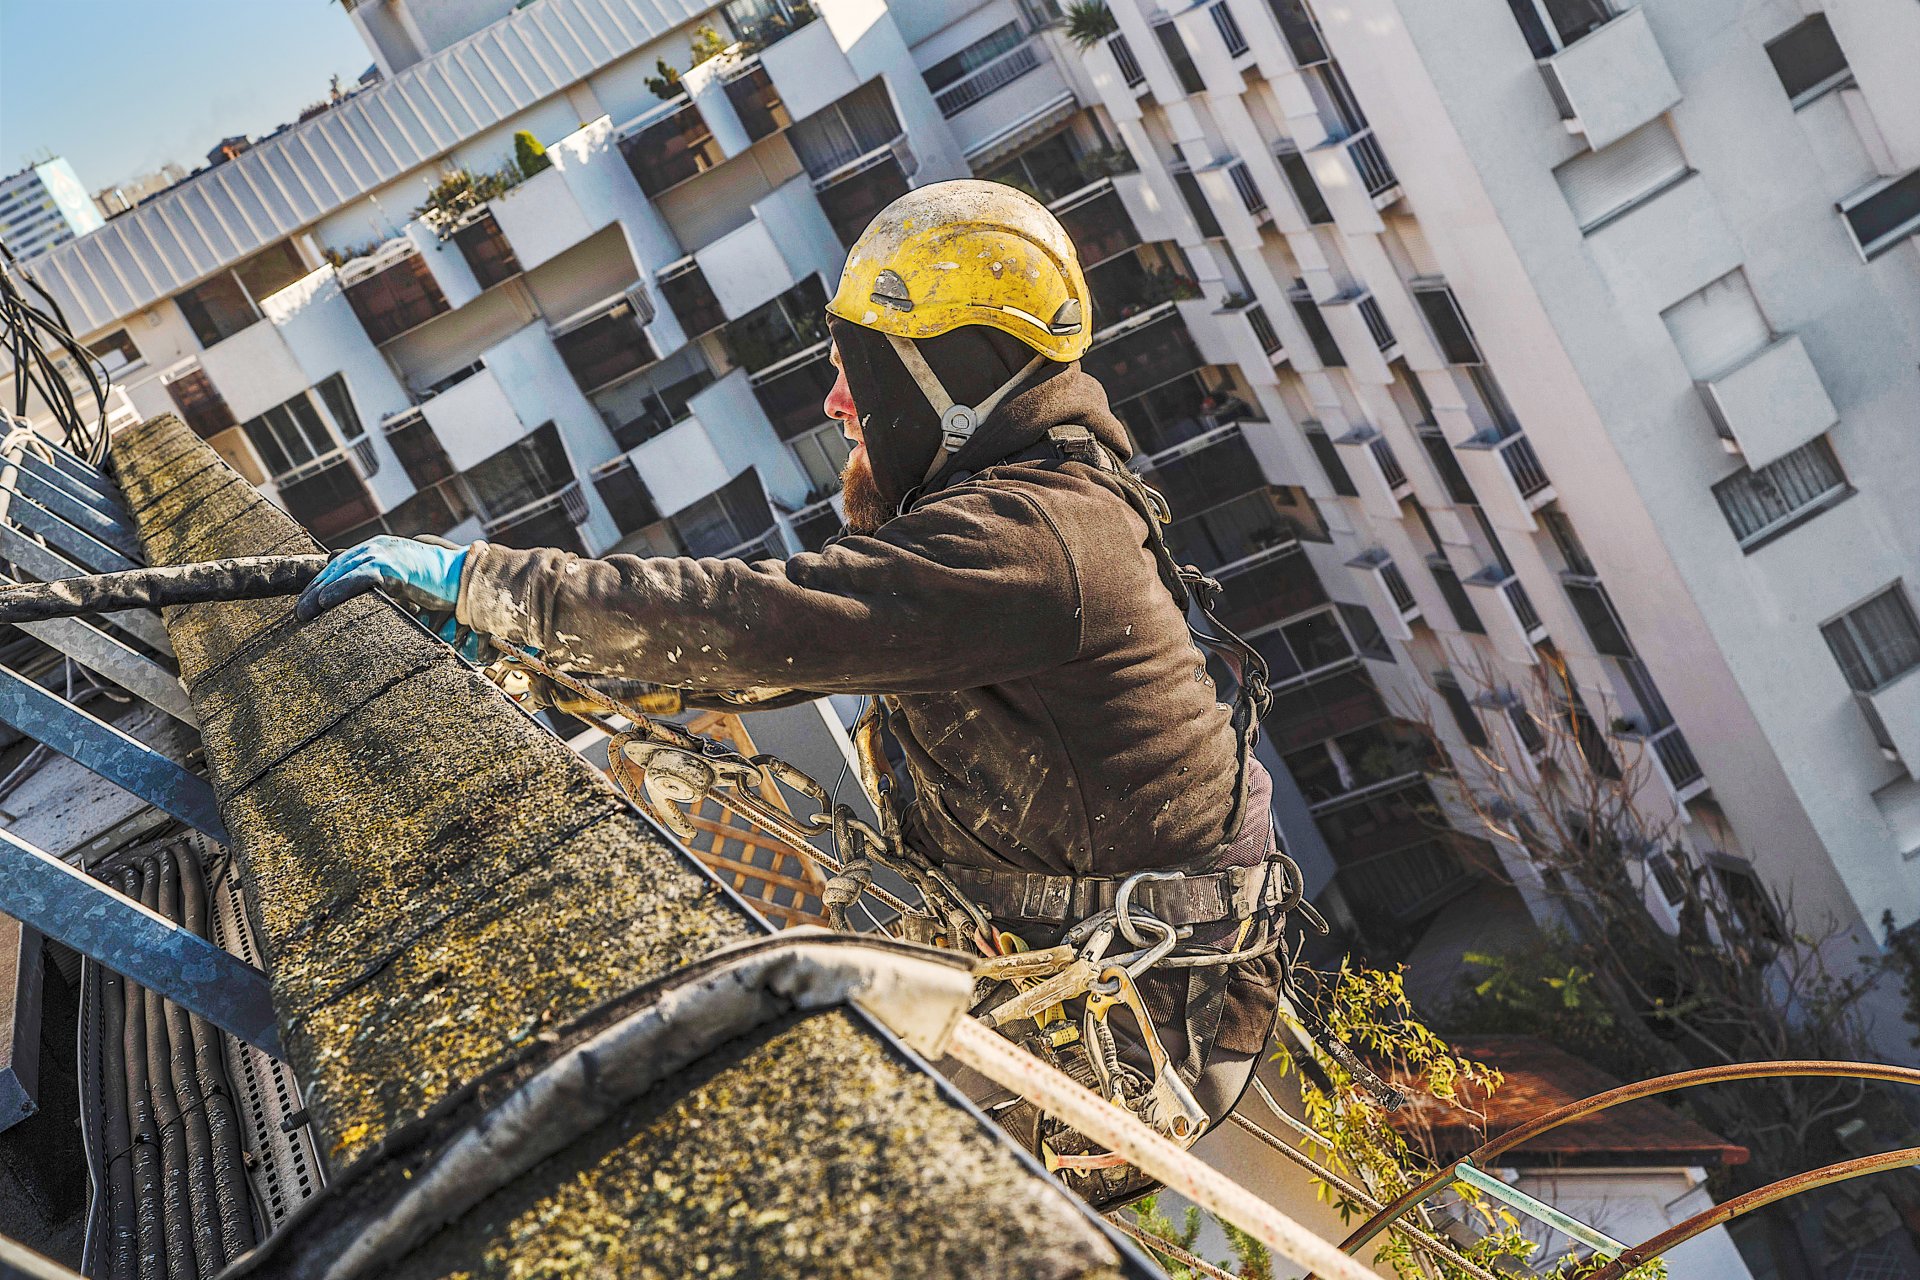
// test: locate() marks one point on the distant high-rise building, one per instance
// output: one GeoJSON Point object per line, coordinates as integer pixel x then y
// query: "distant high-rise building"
{"type": "Point", "coordinates": [123, 196]}
{"type": "Point", "coordinates": [44, 205]}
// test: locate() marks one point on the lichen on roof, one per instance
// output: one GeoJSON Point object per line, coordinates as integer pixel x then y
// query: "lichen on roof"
{"type": "Point", "coordinates": [438, 881]}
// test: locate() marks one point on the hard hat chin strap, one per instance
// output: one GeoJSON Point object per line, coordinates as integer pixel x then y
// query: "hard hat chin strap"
{"type": "Point", "coordinates": [957, 421]}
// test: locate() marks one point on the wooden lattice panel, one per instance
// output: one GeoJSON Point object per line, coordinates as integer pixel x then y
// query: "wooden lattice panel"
{"type": "Point", "coordinates": [784, 885]}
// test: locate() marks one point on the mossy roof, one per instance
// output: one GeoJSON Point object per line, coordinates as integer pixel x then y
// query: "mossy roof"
{"type": "Point", "coordinates": [438, 881]}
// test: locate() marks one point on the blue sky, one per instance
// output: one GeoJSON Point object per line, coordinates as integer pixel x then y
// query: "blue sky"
{"type": "Point", "coordinates": [121, 86]}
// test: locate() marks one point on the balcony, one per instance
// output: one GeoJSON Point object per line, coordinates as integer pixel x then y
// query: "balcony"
{"type": "Point", "coordinates": [1205, 470]}
{"type": "Point", "coordinates": [1612, 80]}
{"type": "Point", "coordinates": [687, 292]}
{"type": "Point", "coordinates": [1267, 583]}
{"type": "Point", "coordinates": [815, 523]}
{"type": "Point", "coordinates": [757, 102]}
{"type": "Point", "coordinates": [782, 327]}
{"type": "Point", "coordinates": [549, 521]}
{"type": "Point", "coordinates": [641, 412]}
{"type": "Point", "coordinates": [606, 343]}
{"type": "Point", "coordinates": [668, 145]}
{"type": "Point", "coordinates": [200, 403]}
{"type": "Point", "coordinates": [1673, 760]}
{"type": "Point", "coordinates": [1520, 470]}
{"type": "Point", "coordinates": [1513, 625]}
{"type": "Point", "coordinates": [484, 246]}
{"type": "Point", "coordinates": [1358, 326]}
{"type": "Point", "coordinates": [1374, 458]}
{"type": "Point", "coordinates": [625, 495]}
{"type": "Point", "coordinates": [1098, 223]}
{"type": "Point", "coordinates": [419, 450]}
{"type": "Point", "coordinates": [1893, 713]}
{"type": "Point", "coordinates": [392, 290]}
{"type": "Point", "coordinates": [1327, 703]}
{"type": "Point", "coordinates": [1351, 178]}
{"type": "Point", "coordinates": [882, 175]}
{"type": "Point", "coordinates": [793, 391]}
{"type": "Point", "coordinates": [1141, 352]}
{"type": "Point", "coordinates": [983, 80]}
{"type": "Point", "coordinates": [1771, 403]}
{"type": "Point", "coordinates": [1393, 598]}
{"type": "Point", "coordinates": [472, 420]}
{"type": "Point", "coordinates": [1370, 162]}
{"type": "Point", "coordinates": [1300, 31]}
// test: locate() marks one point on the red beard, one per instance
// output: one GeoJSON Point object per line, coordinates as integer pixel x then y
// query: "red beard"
{"type": "Point", "coordinates": [866, 510]}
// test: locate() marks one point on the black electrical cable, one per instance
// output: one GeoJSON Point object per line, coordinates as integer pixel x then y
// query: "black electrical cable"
{"type": "Point", "coordinates": [231, 1195]}
{"type": "Point", "coordinates": [32, 337]}
{"type": "Point", "coordinates": [184, 1076]}
{"type": "Point", "coordinates": [177, 1207]}
{"type": "Point", "coordinates": [143, 1139]}
{"type": "Point", "coordinates": [116, 1142]}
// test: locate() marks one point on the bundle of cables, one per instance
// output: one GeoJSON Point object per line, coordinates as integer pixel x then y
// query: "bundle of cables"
{"type": "Point", "coordinates": [48, 364]}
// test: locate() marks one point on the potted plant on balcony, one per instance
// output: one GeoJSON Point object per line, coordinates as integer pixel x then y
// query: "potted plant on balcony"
{"type": "Point", "coordinates": [1089, 22]}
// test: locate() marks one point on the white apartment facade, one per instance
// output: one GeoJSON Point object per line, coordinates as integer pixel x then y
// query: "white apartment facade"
{"type": "Point", "coordinates": [44, 205]}
{"type": "Point", "coordinates": [1418, 421]}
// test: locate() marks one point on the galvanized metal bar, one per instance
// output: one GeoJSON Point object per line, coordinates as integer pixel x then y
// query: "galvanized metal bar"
{"type": "Point", "coordinates": [99, 652]}
{"type": "Point", "coordinates": [110, 752]}
{"type": "Point", "coordinates": [93, 521]}
{"type": "Point", "coordinates": [85, 550]}
{"type": "Point", "coordinates": [47, 565]}
{"type": "Point", "coordinates": [74, 487]}
{"type": "Point", "coordinates": [1514, 1198]}
{"type": "Point", "coordinates": [98, 921]}
{"type": "Point", "coordinates": [80, 469]}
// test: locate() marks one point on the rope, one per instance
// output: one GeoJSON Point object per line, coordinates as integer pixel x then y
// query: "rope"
{"type": "Point", "coordinates": [1119, 1131]}
{"type": "Point", "coordinates": [1166, 1248]}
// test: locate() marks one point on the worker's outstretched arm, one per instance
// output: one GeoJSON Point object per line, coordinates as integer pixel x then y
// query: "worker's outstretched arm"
{"type": "Point", "coordinates": [972, 588]}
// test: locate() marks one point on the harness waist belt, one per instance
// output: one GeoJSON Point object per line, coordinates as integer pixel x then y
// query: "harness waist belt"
{"type": "Point", "coordinates": [1233, 894]}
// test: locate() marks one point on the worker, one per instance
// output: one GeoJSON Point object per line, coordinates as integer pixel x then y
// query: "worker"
{"type": "Point", "coordinates": [1001, 585]}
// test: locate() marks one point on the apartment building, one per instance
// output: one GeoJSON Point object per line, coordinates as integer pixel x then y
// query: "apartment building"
{"type": "Point", "coordinates": [1464, 338]}
{"type": "Point", "coordinates": [44, 205]}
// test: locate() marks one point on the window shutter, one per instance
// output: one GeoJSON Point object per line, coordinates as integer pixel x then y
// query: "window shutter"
{"type": "Point", "coordinates": [1718, 326]}
{"type": "Point", "coordinates": [1599, 183]}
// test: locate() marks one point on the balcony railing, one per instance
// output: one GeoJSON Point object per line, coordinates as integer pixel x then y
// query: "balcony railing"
{"type": "Point", "coordinates": [1676, 759]}
{"type": "Point", "coordinates": [767, 546]}
{"type": "Point", "coordinates": [1142, 352]}
{"type": "Point", "coordinates": [1377, 327]}
{"type": "Point", "coordinates": [1522, 607]}
{"type": "Point", "coordinates": [1251, 198]}
{"type": "Point", "coordinates": [1263, 330]}
{"type": "Point", "coordinates": [986, 78]}
{"type": "Point", "coordinates": [793, 391]}
{"type": "Point", "coordinates": [485, 247]}
{"type": "Point", "coordinates": [761, 23]}
{"type": "Point", "coordinates": [1375, 173]}
{"type": "Point", "coordinates": [882, 174]}
{"type": "Point", "coordinates": [625, 495]}
{"type": "Point", "coordinates": [606, 345]}
{"type": "Point", "coordinates": [1390, 468]}
{"type": "Point", "coordinates": [1397, 587]}
{"type": "Point", "coordinates": [1523, 465]}
{"type": "Point", "coordinates": [199, 401]}
{"type": "Point", "coordinates": [1123, 57]}
{"type": "Point", "coordinates": [569, 501]}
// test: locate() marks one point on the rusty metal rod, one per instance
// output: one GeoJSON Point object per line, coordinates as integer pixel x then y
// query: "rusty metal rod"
{"type": "Point", "coordinates": [1905, 1158]}
{"type": "Point", "coordinates": [1613, 1098]}
{"type": "Point", "coordinates": [242, 578]}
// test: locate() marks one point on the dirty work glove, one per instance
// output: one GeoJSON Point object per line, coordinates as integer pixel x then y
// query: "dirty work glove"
{"type": "Point", "coordinates": [420, 574]}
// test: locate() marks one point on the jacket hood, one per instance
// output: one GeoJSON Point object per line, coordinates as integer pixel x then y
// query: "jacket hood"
{"type": "Point", "coordinates": [903, 432]}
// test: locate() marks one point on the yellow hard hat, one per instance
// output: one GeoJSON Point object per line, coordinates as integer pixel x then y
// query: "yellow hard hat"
{"type": "Point", "coordinates": [968, 252]}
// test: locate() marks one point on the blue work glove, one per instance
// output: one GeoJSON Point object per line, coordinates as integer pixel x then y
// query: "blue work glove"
{"type": "Point", "coordinates": [419, 574]}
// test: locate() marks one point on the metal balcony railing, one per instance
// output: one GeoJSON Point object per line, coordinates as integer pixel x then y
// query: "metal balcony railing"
{"type": "Point", "coordinates": [986, 78]}
{"type": "Point", "coordinates": [1397, 587]}
{"type": "Point", "coordinates": [1229, 28]}
{"type": "Point", "coordinates": [1123, 57]}
{"type": "Point", "coordinates": [1377, 326]}
{"type": "Point", "coordinates": [569, 500]}
{"type": "Point", "coordinates": [1390, 469]}
{"type": "Point", "coordinates": [1263, 330]}
{"type": "Point", "coordinates": [767, 546]}
{"type": "Point", "coordinates": [1676, 758]}
{"type": "Point", "coordinates": [1250, 195]}
{"type": "Point", "coordinates": [1523, 465]}
{"type": "Point", "coordinates": [1522, 606]}
{"type": "Point", "coordinates": [1375, 173]}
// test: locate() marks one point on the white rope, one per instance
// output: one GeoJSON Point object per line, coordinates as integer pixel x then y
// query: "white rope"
{"type": "Point", "coordinates": [1119, 1131]}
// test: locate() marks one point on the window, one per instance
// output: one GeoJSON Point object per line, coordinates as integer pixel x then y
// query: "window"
{"type": "Point", "coordinates": [1752, 907]}
{"type": "Point", "coordinates": [1885, 215]}
{"type": "Point", "coordinates": [1808, 59]}
{"type": "Point", "coordinates": [1448, 687]}
{"type": "Point", "coordinates": [1551, 25]}
{"type": "Point", "coordinates": [1368, 639]}
{"type": "Point", "coordinates": [1448, 580]}
{"type": "Point", "coordinates": [1302, 33]}
{"type": "Point", "coordinates": [1317, 332]}
{"type": "Point", "coordinates": [1573, 553]}
{"type": "Point", "coordinates": [823, 455]}
{"type": "Point", "coordinates": [1717, 327]}
{"type": "Point", "coordinates": [217, 308]}
{"type": "Point", "coordinates": [420, 453]}
{"type": "Point", "coordinates": [1601, 185]}
{"type": "Point", "coordinates": [783, 326]}
{"type": "Point", "coordinates": [1303, 646]}
{"type": "Point", "coordinates": [116, 352]}
{"type": "Point", "coordinates": [485, 247]}
{"type": "Point", "coordinates": [1196, 201]}
{"type": "Point", "coordinates": [1229, 29]}
{"type": "Point", "coordinates": [339, 401]}
{"type": "Point", "coordinates": [952, 70]}
{"type": "Point", "coordinates": [1337, 103]}
{"type": "Point", "coordinates": [862, 122]}
{"type": "Point", "coordinates": [1763, 502]}
{"type": "Point", "coordinates": [1441, 454]}
{"type": "Point", "coordinates": [671, 150]}
{"type": "Point", "coordinates": [1591, 602]}
{"type": "Point", "coordinates": [1877, 642]}
{"type": "Point", "coordinates": [1305, 190]}
{"type": "Point", "coordinates": [725, 518]}
{"type": "Point", "coordinates": [1176, 50]}
{"type": "Point", "coordinates": [1330, 462]}
{"type": "Point", "coordinates": [332, 502]}
{"type": "Point", "coordinates": [289, 435]}
{"type": "Point", "coordinates": [1129, 65]}
{"type": "Point", "coordinates": [982, 67]}
{"type": "Point", "coordinates": [397, 297]}
{"type": "Point", "coordinates": [199, 401]}
{"type": "Point", "coordinates": [758, 103]}
{"type": "Point", "coordinates": [521, 474]}
{"type": "Point", "coordinates": [1250, 197]}
{"type": "Point", "coordinates": [1450, 327]}
{"type": "Point", "coordinates": [606, 347]}
{"type": "Point", "coordinates": [626, 496]}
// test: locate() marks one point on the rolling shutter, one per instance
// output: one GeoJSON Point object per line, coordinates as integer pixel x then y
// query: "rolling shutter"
{"type": "Point", "coordinates": [1600, 183]}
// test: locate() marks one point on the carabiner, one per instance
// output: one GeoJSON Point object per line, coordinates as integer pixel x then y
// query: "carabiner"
{"type": "Point", "coordinates": [1123, 902]}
